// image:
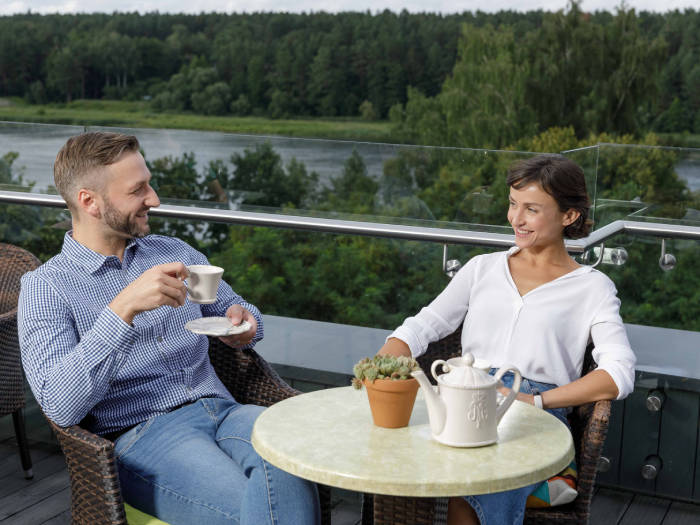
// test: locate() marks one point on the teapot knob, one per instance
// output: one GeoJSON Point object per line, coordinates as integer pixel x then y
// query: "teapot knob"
{"type": "Point", "coordinates": [468, 359]}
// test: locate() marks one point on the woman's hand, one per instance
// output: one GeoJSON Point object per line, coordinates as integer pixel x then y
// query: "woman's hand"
{"type": "Point", "coordinates": [522, 396]}
{"type": "Point", "coordinates": [395, 347]}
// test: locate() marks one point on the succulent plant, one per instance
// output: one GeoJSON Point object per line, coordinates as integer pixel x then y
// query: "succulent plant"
{"type": "Point", "coordinates": [383, 367]}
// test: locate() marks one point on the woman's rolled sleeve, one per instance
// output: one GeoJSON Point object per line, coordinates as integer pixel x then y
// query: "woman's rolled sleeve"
{"type": "Point", "coordinates": [408, 337]}
{"type": "Point", "coordinates": [442, 316]}
{"type": "Point", "coordinates": [612, 350]}
{"type": "Point", "coordinates": [419, 331]}
{"type": "Point", "coordinates": [618, 361]}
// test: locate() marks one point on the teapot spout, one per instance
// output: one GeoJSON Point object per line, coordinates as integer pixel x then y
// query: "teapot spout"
{"type": "Point", "coordinates": [436, 407]}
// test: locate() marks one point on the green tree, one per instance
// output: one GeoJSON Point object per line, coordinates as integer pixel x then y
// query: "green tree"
{"type": "Point", "coordinates": [326, 84]}
{"type": "Point", "coordinates": [260, 179]}
{"type": "Point", "coordinates": [67, 70]}
{"type": "Point", "coordinates": [117, 57]}
{"type": "Point", "coordinates": [214, 99]}
{"type": "Point", "coordinates": [176, 179]}
{"type": "Point", "coordinates": [32, 227]}
{"type": "Point", "coordinates": [482, 104]}
{"type": "Point", "coordinates": [367, 111]}
{"type": "Point", "coordinates": [256, 83]}
{"type": "Point", "coordinates": [353, 190]}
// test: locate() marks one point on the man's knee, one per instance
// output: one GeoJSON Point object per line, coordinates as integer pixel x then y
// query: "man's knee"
{"type": "Point", "coordinates": [238, 423]}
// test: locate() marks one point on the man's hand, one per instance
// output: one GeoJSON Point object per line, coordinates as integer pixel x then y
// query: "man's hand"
{"type": "Point", "coordinates": [158, 286]}
{"type": "Point", "coordinates": [237, 314]}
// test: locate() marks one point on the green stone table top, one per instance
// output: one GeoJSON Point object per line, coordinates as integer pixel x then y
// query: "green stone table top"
{"type": "Point", "coordinates": [328, 437]}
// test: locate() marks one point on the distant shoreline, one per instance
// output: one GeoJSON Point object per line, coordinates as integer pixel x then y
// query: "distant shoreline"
{"type": "Point", "coordinates": [138, 115]}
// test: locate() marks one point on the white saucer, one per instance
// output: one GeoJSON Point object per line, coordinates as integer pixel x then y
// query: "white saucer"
{"type": "Point", "coordinates": [217, 326]}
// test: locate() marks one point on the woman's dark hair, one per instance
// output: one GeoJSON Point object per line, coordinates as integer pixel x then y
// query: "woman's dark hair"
{"type": "Point", "coordinates": [563, 179]}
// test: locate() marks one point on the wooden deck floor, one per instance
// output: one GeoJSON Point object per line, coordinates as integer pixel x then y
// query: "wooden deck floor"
{"type": "Point", "coordinates": [46, 498]}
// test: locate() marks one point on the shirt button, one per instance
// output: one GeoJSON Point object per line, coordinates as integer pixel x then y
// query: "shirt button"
{"type": "Point", "coordinates": [159, 339]}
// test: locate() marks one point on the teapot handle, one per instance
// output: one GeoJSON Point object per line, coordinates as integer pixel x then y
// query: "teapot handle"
{"type": "Point", "coordinates": [505, 404]}
{"type": "Point", "coordinates": [445, 367]}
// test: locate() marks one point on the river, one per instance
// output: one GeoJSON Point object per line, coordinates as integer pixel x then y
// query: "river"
{"type": "Point", "coordinates": [37, 145]}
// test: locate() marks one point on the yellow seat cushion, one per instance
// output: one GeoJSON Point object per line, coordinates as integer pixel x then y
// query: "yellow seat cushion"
{"type": "Point", "coordinates": [136, 517]}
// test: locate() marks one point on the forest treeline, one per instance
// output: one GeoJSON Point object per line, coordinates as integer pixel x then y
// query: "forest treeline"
{"type": "Point", "coordinates": [442, 79]}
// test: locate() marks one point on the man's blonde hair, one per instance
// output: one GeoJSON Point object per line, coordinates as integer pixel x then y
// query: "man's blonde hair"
{"type": "Point", "coordinates": [81, 161]}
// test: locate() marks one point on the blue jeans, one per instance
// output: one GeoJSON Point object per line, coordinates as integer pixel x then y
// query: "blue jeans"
{"type": "Point", "coordinates": [508, 508]}
{"type": "Point", "coordinates": [196, 465]}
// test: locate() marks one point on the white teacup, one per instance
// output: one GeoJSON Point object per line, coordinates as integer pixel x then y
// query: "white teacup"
{"type": "Point", "coordinates": [203, 282]}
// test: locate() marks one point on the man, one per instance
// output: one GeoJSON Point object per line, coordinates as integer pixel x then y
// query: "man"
{"type": "Point", "coordinates": [102, 335]}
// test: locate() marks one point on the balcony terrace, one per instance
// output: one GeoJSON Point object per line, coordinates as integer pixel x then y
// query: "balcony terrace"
{"type": "Point", "coordinates": [45, 500]}
{"type": "Point", "coordinates": [647, 244]}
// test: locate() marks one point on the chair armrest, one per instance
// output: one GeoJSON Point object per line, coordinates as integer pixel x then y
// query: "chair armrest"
{"type": "Point", "coordinates": [589, 451]}
{"type": "Point", "coordinates": [248, 377]}
{"type": "Point", "coordinates": [95, 491]}
{"type": "Point", "coordinates": [9, 317]}
{"type": "Point", "coordinates": [589, 427]}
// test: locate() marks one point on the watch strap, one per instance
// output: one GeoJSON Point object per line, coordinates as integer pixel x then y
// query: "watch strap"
{"type": "Point", "coordinates": [537, 398]}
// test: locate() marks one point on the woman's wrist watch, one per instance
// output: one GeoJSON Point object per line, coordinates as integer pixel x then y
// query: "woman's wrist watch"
{"type": "Point", "coordinates": [537, 399]}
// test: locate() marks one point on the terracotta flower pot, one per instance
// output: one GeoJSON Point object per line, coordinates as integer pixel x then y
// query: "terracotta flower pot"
{"type": "Point", "coordinates": [391, 401]}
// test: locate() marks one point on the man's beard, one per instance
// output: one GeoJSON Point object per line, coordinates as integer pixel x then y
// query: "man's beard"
{"type": "Point", "coordinates": [122, 223]}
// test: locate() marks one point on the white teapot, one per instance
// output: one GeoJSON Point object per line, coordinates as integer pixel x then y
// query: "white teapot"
{"type": "Point", "coordinates": [464, 410]}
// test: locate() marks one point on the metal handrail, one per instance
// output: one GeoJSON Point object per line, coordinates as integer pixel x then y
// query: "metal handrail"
{"type": "Point", "coordinates": [394, 231]}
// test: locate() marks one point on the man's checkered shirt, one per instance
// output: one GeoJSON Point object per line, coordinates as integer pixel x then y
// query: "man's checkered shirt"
{"type": "Point", "coordinates": [81, 358]}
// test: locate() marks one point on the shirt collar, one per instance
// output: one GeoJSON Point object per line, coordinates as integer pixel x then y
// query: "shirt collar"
{"type": "Point", "coordinates": [583, 268]}
{"type": "Point", "coordinates": [87, 258]}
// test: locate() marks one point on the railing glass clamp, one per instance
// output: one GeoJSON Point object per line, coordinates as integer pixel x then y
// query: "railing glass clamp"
{"type": "Point", "coordinates": [451, 267]}
{"type": "Point", "coordinates": [614, 256]}
{"type": "Point", "coordinates": [667, 261]}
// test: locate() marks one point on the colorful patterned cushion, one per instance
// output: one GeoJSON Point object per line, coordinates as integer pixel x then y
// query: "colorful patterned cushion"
{"type": "Point", "coordinates": [557, 490]}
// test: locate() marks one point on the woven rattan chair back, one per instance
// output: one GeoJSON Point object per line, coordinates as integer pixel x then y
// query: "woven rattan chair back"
{"type": "Point", "coordinates": [589, 424]}
{"type": "Point", "coordinates": [14, 263]}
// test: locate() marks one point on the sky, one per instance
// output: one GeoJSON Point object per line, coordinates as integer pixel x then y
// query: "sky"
{"type": "Point", "coordinates": [8, 7]}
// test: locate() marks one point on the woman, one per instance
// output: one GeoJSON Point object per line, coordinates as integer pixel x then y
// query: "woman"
{"type": "Point", "coordinates": [534, 307]}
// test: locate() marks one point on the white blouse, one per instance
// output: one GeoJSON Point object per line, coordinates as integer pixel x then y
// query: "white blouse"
{"type": "Point", "coordinates": [544, 333]}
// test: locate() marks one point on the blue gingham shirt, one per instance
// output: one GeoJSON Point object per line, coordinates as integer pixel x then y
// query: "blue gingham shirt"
{"type": "Point", "coordinates": [80, 358]}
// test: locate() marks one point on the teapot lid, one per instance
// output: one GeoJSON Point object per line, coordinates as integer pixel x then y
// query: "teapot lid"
{"type": "Point", "coordinates": [466, 376]}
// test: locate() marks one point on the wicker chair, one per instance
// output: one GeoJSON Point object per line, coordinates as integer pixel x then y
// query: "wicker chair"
{"type": "Point", "coordinates": [589, 425]}
{"type": "Point", "coordinates": [14, 262]}
{"type": "Point", "coordinates": [96, 497]}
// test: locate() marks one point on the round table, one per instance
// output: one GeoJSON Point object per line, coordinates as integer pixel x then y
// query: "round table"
{"type": "Point", "coordinates": [328, 437]}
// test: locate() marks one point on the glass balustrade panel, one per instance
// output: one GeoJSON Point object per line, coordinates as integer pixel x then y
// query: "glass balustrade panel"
{"type": "Point", "coordinates": [429, 186]}
{"type": "Point", "coordinates": [366, 281]}
{"type": "Point", "coordinates": [648, 184]}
